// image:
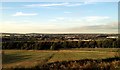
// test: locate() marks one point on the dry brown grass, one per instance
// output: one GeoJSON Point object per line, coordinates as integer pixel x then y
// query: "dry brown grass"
{"type": "Point", "coordinates": [30, 58]}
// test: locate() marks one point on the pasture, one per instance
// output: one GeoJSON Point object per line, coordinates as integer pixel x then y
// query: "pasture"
{"type": "Point", "coordinates": [31, 58]}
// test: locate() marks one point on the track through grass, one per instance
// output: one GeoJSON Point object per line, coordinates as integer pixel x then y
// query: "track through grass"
{"type": "Point", "coordinates": [30, 58]}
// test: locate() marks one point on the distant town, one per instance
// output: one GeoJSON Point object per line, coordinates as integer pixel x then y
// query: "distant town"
{"type": "Point", "coordinates": [56, 37]}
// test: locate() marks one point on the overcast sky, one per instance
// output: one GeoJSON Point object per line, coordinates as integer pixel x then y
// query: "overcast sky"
{"type": "Point", "coordinates": [59, 17]}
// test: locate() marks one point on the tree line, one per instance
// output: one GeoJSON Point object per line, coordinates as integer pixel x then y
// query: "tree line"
{"type": "Point", "coordinates": [45, 45]}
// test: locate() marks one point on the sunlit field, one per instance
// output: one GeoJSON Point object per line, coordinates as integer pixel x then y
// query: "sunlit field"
{"type": "Point", "coordinates": [31, 58]}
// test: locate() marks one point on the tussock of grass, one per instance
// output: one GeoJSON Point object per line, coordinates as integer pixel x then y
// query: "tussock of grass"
{"type": "Point", "coordinates": [84, 64]}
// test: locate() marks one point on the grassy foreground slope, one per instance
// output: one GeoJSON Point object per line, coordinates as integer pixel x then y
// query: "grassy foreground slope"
{"type": "Point", "coordinates": [31, 58]}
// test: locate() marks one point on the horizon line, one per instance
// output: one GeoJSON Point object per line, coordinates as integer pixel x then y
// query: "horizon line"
{"type": "Point", "coordinates": [54, 33]}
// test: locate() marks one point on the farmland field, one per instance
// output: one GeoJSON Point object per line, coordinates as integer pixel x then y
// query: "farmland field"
{"type": "Point", "coordinates": [29, 58]}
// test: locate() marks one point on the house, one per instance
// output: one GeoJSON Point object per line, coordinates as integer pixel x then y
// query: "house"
{"type": "Point", "coordinates": [113, 37]}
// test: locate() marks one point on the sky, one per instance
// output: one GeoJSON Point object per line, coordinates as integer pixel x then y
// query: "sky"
{"type": "Point", "coordinates": [59, 17]}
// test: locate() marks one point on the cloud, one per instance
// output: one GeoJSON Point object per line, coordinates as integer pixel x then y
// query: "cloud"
{"type": "Point", "coordinates": [57, 19]}
{"type": "Point", "coordinates": [24, 14]}
{"type": "Point", "coordinates": [54, 4]}
{"type": "Point", "coordinates": [60, 18]}
{"type": "Point", "coordinates": [47, 5]}
{"type": "Point", "coordinates": [15, 26]}
{"type": "Point", "coordinates": [108, 28]}
{"type": "Point", "coordinates": [58, 0]}
{"type": "Point", "coordinates": [5, 8]}
{"type": "Point", "coordinates": [67, 12]}
{"type": "Point", "coordinates": [74, 4]}
{"type": "Point", "coordinates": [1, 8]}
{"type": "Point", "coordinates": [96, 18]}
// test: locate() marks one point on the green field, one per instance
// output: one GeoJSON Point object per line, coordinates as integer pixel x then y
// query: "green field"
{"type": "Point", "coordinates": [29, 58]}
